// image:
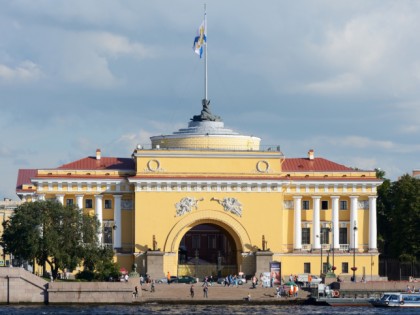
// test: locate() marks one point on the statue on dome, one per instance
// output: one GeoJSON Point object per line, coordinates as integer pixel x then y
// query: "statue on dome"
{"type": "Point", "coordinates": [206, 114]}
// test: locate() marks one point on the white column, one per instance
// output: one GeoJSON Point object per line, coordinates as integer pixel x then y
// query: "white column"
{"type": "Point", "coordinates": [372, 224]}
{"type": "Point", "coordinates": [297, 239]}
{"type": "Point", "coordinates": [60, 198]}
{"type": "Point", "coordinates": [353, 222]}
{"type": "Point", "coordinates": [316, 223]}
{"type": "Point", "coordinates": [335, 222]}
{"type": "Point", "coordinates": [117, 221]}
{"type": "Point", "coordinates": [79, 202]}
{"type": "Point", "coordinates": [98, 213]}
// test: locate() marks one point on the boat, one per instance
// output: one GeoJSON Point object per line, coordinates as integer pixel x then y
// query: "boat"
{"type": "Point", "coordinates": [397, 299]}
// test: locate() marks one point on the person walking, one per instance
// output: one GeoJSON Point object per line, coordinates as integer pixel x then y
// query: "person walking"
{"type": "Point", "coordinates": [168, 276]}
{"type": "Point", "coordinates": [192, 290]}
{"type": "Point", "coordinates": [205, 291]}
{"type": "Point", "coordinates": [152, 286]}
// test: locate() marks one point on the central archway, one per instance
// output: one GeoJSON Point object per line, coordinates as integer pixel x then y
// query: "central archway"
{"type": "Point", "coordinates": [207, 250]}
{"type": "Point", "coordinates": [226, 224]}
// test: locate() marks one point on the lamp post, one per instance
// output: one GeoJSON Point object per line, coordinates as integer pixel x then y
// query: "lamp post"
{"type": "Point", "coordinates": [333, 249]}
{"type": "Point", "coordinates": [320, 240]}
{"type": "Point", "coordinates": [354, 268]}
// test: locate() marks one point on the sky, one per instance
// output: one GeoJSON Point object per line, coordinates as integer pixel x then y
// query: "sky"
{"type": "Point", "coordinates": [339, 77]}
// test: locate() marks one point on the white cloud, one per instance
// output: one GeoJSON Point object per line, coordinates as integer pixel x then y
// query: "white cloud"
{"type": "Point", "coordinates": [342, 83]}
{"type": "Point", "coordinates": [370, 52]}
{"type": "Point", "coordinates": [25, 71]}
{"type": "Point", "coordinates": [115, 45]}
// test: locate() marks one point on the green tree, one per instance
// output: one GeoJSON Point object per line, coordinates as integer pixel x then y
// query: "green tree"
{"type": "Point", "coordinates": [48, 232]}
{"type": "Point", "coordinates": [399, 218]}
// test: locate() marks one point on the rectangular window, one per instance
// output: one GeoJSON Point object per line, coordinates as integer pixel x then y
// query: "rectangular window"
{"type": "Point", "coordinates": [345, 267]}
{"type": "Point", "coordinates": [324, 205]}
{"type": "Point", "coordinates": [196, 241]}
{"type": "Point", "coordinates": [343, 204]}
{"type": "Point", "coordinates": [88, 204]}
{"type": "Point", "coordinates": [343, 236]}
{"type": "Point", "coordinates": [305, 204]}
{"type": "Point", "coordinates": [108, 204]}
{"type": "Point", "coordinates": [325, 235]}
{"type": "Point", "coordinates": [69, 202]}
{"type": "Point", "coordinates": [107, 235]}
{"type": "Point", "coordinates": [306, 236]}
{"type": "Point", "coordinates": [306, 267]}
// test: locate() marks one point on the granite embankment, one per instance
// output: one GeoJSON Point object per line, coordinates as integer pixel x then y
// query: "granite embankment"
{"type": "Point", "coordinates": [20, 286]}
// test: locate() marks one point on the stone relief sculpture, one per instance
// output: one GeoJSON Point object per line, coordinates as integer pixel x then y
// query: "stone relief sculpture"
{"type": "Point", "coordinates": [186, 205]}
{"type": "Point", "coordinates": [230, 204]}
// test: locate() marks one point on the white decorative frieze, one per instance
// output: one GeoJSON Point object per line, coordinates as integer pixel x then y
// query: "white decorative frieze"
{"type": "Point", "coordinates": [186, 205]}
{"type": "Point", "coordinates": [230, 204]}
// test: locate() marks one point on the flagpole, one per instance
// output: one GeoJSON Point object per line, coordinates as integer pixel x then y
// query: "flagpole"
{"type": "Point", "coordinates": [205, 54]}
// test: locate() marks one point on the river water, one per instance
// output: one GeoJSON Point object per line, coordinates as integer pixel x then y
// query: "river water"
{"type": "Point", "coordinates": [202, 309]}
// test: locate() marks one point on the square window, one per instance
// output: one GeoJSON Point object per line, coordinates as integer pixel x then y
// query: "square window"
{"type": "Point", "coordinates": [306, 267]}
{"type": "Point", "coordinates": [324, 205]}
{"type": "Point", "coordinates": [108, 204]}
{"type": "Point", "coordinates": [88, 204]}
{"type": "Point", "coordinates": [305, 204]}
{"type": "Point", "coordinates": [343, 204]}
{"type": "Point", "coordinates": [345, 267]}
{"type": "Point", "coordinates": [69, 202]}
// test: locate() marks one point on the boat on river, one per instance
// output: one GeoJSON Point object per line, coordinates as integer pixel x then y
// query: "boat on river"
{"type": "Point", "coordinates": [397, 299]}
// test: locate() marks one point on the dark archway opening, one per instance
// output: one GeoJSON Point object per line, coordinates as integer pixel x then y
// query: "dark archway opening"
{"type": "Point", "coordinates": [207, 249]}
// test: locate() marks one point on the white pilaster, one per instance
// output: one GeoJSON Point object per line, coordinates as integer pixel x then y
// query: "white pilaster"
{"type": "Point", "coordinates": [353, 222]}
{"type": "Point", "coordinates": [372, 224]}
{"type": "Point", "coordinates": [79, 202]}
{"type": "Point", "coordinates": [297, 239]}
{"type": "Point", "coordinates": [316, 223]}
{"type": "Point", "coordinates": [117, 221]}
{"type": "Point", "coordinates": [98, 213]}
{"type": "Point", "coordinates": [335, 222]}
{"type": "Point", "coordinates": [60, 198]}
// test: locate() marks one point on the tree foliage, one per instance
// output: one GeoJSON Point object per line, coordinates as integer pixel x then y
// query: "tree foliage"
{"type": "Point", "coordinates": [48, 232]}
{"type": "Point", "coordinates": [399, 218]}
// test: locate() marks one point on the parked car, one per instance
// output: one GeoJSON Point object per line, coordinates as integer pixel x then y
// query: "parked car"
{"type": "Point", "coordinates": [165, 280]}
{"type": "Point", "coordinates": [306, 279]}
{"type": "Point", "coordinates": [185, 279]}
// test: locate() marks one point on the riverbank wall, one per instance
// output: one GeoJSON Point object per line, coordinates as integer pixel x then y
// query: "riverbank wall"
{"type": "Point", "coordinates": [18, 286]}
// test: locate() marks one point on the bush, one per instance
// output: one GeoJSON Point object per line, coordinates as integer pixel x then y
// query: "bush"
{"type": "Point", "coordinates": [85, 275]}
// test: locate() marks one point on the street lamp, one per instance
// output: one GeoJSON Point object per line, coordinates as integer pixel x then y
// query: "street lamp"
{"type": "Point", "coordinates": [354, 268]}
{"type": "Point", "coordinates": [333, 249]}
{"type": "Point", "coordinates": [320, 240]}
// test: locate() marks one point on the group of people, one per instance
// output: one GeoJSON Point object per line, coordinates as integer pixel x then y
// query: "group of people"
{"type": "Point", "coordinates": [411, 290]}
{"type": "Point", "coordinates": [231, 281]}
{"type": "Point", "coordinates": [205, 290]}
{"type": "Point", "coordinates": [148, 280]}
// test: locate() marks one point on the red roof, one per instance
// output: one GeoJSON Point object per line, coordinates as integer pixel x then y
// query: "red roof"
{"type": "Point", "coordinates": [315, 165]}
{"type": "Point", "coordinates": [24, 178]}
{"type": "Point", "coordinates": [105, 163]}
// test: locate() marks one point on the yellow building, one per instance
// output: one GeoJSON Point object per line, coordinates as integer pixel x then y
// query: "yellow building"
{"type": "Point", "coordinates": [207, 200]}
{"type": "Point", "coordinates": [7, 207]}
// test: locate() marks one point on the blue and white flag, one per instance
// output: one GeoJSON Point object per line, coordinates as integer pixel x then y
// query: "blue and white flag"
{"type": "Point", "coordinates": [201, 38]}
